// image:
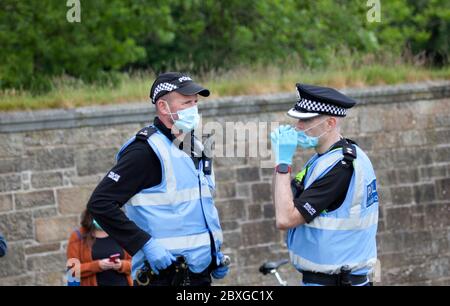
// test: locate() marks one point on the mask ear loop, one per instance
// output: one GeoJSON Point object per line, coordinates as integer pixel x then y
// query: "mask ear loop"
{"type": "Point", "coordinates": [318, 137]}
{"type": "Point", "coordinates": [326, 131]}
{"type": "Point", "coordinates": [316, 125]}
{"type": "Point", "coordinates": [170, 111]}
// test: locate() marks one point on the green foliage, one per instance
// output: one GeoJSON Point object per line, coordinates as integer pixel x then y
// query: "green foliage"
{"type": "Point", "coordinates": [37, 43]}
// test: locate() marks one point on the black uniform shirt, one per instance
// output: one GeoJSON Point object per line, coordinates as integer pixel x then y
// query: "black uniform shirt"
{"type": "Point", "coordinates": [328, 192]}
{"type": "Point", "coordinates": [138, 168]}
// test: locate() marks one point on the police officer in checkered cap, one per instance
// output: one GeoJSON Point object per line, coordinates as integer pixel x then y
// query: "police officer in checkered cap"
{"type": "Point", "coordinates": [171, 226]}
{"type": "Point", "coordinates": [330, 208]}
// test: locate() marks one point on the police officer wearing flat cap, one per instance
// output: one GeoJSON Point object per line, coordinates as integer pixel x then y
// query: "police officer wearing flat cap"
{"type": "Point", "coordinates": [171, 226]}
{"type": "Point", "coordinates": [329, 208]}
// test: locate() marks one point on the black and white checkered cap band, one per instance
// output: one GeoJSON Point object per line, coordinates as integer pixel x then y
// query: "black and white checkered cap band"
{"type": "Point", "coordinates": [314, 106]}
{"type": "Point", "coordinates": [163, 87]}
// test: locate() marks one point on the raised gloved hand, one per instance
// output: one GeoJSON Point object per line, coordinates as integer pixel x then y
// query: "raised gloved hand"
{"type": "Point", "coordinates": [284, 144]}
{"type": "Point", "coordinates": [157, 255]}
{"type": "Point", "coordinates": [222, 270]}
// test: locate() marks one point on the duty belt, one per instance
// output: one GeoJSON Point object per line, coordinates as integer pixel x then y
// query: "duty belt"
{"type": "Point", "coordinates": [178, 273]}
{"type": "Point", "coordinates": [342, 279]}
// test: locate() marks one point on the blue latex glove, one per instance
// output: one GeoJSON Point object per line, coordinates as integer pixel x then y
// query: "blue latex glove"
{"type": "Point", "coordinates": [157, 255]}
{"type": "Point", "coordinates": [274, 139]}
{"type": "Point", "coordinates": [284, 144]}
{"type": "Point", "coordinates": [221, 271]}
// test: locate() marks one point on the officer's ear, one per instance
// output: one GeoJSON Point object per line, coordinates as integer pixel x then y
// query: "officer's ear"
{"type": "Point", "coordinates": [332, 122]}
{"type": "Point", "coordinates": [162, 107]}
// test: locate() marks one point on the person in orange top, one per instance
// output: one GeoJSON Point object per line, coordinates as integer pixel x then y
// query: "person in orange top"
{"type": "Point", "coordinates": [93, 247]}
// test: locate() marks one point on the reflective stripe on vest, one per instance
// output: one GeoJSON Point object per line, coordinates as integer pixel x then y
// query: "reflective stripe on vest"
{"type": "Point", "coordinates": [344, 223]}
{"type": "Point", "coordinates": [143, 199]}
{"type": "Point", "coordinates": [328, 269]}
{"type": "Point", "coordinates": [188, 242]}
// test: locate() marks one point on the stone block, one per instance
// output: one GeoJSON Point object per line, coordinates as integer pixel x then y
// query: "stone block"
{"type": "Point", "coordinates": [261, 192]}
{"type": "Point", "coordinates": [55, 228]}
{"type": "Point", "coordinates": [225, 174]}
{"type": "Point", "coordinates": [269, 211]}
{"type": "Point", "coordinates": [44, 138]}
{"type": "Point", "coordinates": [13, 263]}
{"type": "Point", "coordinates": [42, 248]}
{"type": "Point", "coordinates": [442, 154]}
{"type": "Point", "coordinates": [45, 212]}
{"type": "Point", "coordinates": [53, 262]}
{"type": "Point", "coordinates": [365, 142]}
{"type": "Point", "coordinates": [398, 219]}
{"type": "Point", "coordinates": [254, 211]}
{"type": "Point", "coordinates": [429, 172]}
{"type": "Point", "coordinates": [261, 232]}
{"type": "Point", "coordinates": [50, 279]}
{"type": "Point", "coordinates": [437, 216]}
{"type": "Point", "coordinates": [413, 138]}
{"type": "Point", "coordinates": [22, 280]}
{"type": "Point", "coordinates": [10, 165]}
{"type": "Point", "coordinates": [401, 195]}
{"type": "Point", "coordinates": [50, 159]}
{"type": "Point", "coordinates": [46, 179]}
{"type": "Point", "coordinates": [419, 273]}
{"type": "Point", "coordinates": [386, 177]}
{"type": "Point", "coordinates": [95, 161]}
{"type": "Point", "coordinates": [248, 174]}
{"type": "Point", "coordinates": [225, 190]}
{"type": "Point", "coordinates": [231, 209]}
{"type": "Point", "coordinates": [30, 200]}
{"type": "Point", "coordinates": [407, 175]}
{"type": "Point", "coordinates": [393, 121]}
{"type": "Point", "coordinates": [418, 243]}
{"type": "Point", "coordinates": [230, 225]}
{"type": "Point", "coordinates": [73, 200]}
{"type": "Point", "coordinates": [424, 193]}
{"type": "Point", "coordinates": [232, 240]}
{"type": "Point", "coordinates": [12, 145]}
{"type": "Point", "coordinates": [443, 189]}
{"type": "Point", "coordinates": [390, 242]}
{"type": "Point", "coordinates": [17, 226]}
{"type": "Point", "coordinates": [368, 123]}
{"type": "Point", "coordinates": [384, 193]}
{"type": "Point", "coordinates": [10, 182]}
{"type": "Point", "coordinates": [6, 202]}
{"type": "Point", "coordinates": [243, 190]}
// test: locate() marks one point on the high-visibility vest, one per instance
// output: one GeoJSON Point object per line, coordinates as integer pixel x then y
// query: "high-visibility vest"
{"type": "Point", "coordinates": [180, 211]}
{"type": "Point", "coordinates": [345, 236]}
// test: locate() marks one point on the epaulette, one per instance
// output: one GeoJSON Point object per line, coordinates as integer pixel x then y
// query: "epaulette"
{"type": "Point", "coordinates": [349, 152]}
{"type": "Point", "coordinates": [145, 133]}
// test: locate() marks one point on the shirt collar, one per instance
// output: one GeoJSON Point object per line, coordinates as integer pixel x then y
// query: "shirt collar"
{"type": "Point", "coordinates": [339, 144]}
{"type": "Point", "coordinates": [163, 129]}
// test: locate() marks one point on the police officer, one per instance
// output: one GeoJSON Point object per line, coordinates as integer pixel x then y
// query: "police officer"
{"type": "Point", "coordinates": [330, 208]}
{"type": "Point", "coordinates": [170, 212]}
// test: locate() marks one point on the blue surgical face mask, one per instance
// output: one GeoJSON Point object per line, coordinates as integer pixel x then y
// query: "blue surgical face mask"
{"type": "Point", "coordinates": [187, 118]}
{"type": "Point", "coordinates": [305, 141]}
{"type": "Point", "coordinates": [97, 226]}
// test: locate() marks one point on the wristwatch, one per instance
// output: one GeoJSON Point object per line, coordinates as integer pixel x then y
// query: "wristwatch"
{"type": "Point", "coordinates": [283, 168]}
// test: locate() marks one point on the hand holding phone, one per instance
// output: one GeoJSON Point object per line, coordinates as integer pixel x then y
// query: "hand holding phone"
{"type": "Point", "coordinates": [114, 258]}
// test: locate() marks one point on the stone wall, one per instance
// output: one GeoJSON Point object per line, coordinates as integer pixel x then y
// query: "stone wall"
{"type": "Point", "coordinates": [50, 161]}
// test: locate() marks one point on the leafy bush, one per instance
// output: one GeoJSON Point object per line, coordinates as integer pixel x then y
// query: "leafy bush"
{"type": "Point", "coordinates": [39, 44]}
